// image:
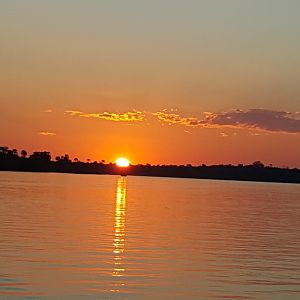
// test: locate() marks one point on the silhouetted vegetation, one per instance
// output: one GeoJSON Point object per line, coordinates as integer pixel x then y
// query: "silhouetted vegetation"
{"type": "Point", "coordinates": [42, 162]}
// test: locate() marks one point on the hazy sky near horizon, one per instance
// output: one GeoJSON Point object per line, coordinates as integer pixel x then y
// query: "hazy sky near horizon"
{"type": "Point", "coordinates": [157, 81]}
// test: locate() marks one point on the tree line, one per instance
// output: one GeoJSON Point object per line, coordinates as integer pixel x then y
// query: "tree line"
{"type": "Point", "coordinates": [41, 161]}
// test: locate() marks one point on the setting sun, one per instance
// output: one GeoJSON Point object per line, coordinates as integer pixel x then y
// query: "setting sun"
{"type": "Point", "coordinates": [122, 162]}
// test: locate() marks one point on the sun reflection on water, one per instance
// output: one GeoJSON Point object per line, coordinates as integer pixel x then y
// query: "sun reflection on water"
{"type": "Point", "coordinates": [119, 233]}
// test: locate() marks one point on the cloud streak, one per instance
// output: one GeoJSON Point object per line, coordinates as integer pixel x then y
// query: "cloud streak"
{"type": "Point", "coordinates": [130, 116]}
{"type": "Point", "coordinates": [47, 133]}
{"type": "Point", "coordinates": [171, 118]}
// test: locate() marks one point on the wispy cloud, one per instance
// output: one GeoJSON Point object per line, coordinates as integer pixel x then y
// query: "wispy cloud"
{"type": "Point", "coordinates": [73, 112]}
{"type": "Point", "coordinates": [47, 133]}
{"type": "Point", "coordinates": [130, 116]}
{"type": "Point", "coordinates": [172, 118]}
{"type": "Point", "coordinates": [48, 110]}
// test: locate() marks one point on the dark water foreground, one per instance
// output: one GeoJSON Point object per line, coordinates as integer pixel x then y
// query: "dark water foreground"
{"type": "Point", "coordinates": [67, 236]}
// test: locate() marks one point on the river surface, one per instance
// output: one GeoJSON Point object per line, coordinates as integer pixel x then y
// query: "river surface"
{"type": "Point", "coordinates": [65, 236]}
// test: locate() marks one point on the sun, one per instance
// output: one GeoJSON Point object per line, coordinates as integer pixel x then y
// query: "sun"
{"type": "Point", "coordinates": [122, 162]}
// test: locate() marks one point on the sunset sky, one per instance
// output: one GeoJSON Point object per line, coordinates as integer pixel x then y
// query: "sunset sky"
{"type": "Point", "coordinates": [160, 81]}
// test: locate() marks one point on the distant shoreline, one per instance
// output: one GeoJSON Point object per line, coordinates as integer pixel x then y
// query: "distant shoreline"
{"type": "Point", "coordinates": [41, 162]}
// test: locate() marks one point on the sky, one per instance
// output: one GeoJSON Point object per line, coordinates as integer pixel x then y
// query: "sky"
{"type": "Point", "coordinates": [160, 81]}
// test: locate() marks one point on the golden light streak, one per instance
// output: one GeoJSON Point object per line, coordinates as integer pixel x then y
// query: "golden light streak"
{"type": "Point", "coordinates": [119, 232]}
{"type": "Point", "coordinates": [47, 133]}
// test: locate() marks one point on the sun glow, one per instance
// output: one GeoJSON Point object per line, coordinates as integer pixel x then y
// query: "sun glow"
{"type": "Point", "coordinates": [122, 162]}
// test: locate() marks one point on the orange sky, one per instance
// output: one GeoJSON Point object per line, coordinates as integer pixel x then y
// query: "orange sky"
{"type": "Point", "coordinates": [203, 82]}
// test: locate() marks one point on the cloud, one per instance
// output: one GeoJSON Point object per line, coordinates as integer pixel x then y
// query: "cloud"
{"type": "Point", "coordinates": [48, 111]}
{"type": "Point", "coordinates": [171, 118]}
{"type": "Point", "coordinates": [256, 119]}
{"type": "Point", "coordinates": [130, 116]}
{"type": "Point", "coordinates": [261, 119]}
{"type": "Point", "coordinates": [74, 112]}
{"type": "Point", "coordinates": [47, 133]}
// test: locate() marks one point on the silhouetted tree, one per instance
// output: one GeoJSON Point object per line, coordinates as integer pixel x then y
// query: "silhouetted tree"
{"type": "Point", "coordinates": [24, 153]}
{"type": "Point", "coordinates": [66, 158]}
{"type": "Point", "coordinates": [4, 151]}
{"type": "Point", "coordinates": [258, 164]}
{"type": "Point", "coordinates": [41, 156]}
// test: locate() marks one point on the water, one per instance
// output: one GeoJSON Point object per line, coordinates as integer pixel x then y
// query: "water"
{"type": "Point", "coordinates": [66, 236]}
